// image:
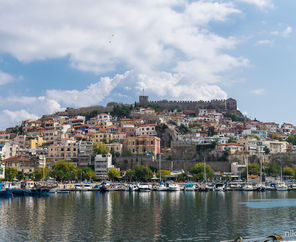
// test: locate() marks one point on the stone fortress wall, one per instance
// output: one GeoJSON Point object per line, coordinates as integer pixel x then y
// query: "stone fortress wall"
{"type": "Point", "coordinates": [220, 105]}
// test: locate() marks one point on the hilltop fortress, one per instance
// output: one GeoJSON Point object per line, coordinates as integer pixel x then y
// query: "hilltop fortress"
{"type": "Point", "coordinates": [221, 105]}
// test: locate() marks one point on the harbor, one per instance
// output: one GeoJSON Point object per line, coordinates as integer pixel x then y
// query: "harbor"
{"type": "Point", "coordinates": [26, 188]}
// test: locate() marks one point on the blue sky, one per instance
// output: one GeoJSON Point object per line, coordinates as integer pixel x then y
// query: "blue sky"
{"type": "Point", "coordinates": [60, 53]}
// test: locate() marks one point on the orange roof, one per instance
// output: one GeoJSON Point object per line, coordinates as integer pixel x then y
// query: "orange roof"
{"type": "Point", "coordinates": [17, 158]}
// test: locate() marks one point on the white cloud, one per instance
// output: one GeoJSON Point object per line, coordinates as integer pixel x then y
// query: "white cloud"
{"type": "Point", "coordinates": [5, 78]}
{"type": "Point", "coordinates": [93, 94]}
{"type": "Point", "coordinates": [12, 117]}
{"type": "Point", "coordinates": [146, 36]}
{"type": "Point", "coordinates": [265, 42]}
{"type": "Point", "coordinates": [284, 33]}
{"type": "Point", "coordinates": [164, 46]}
{"type": "Point", "coordinates": [258, 92]}
{"type": "Point", "coordinates": [262, 4]}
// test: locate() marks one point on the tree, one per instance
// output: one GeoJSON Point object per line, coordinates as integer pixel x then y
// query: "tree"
{"type": "Point", "coordinates": [195, 124]}
{"type": "Point", "coordinates": [110, 104]}
{"type": "Point", "coordinates": [10, 173]}
{"type": "Point", "coordinates": [254, 136]}
{"type": "Point", "coordinates": [288, 171]}
{"type": "Point", "coordinates": [233, 116]}
{"type": "Point", "coordinates": [64, 171]}
{"type": "Point", "coordinates": [197, 171]}
{"type": "Point", "coordinates": [231, 140]}
{"type": "Point", "coordinates": [266, 150]}
{"type": "Point", "coordinates": [126, 153]}
{"type": "Point", "coordinates": [276, 137]}
{"type": "Point", "coordinates": [291, 139]}
{"type": "Point", "coordinates": [38, 174]}
{"type": "Point", "coordinates": [20, 175]}
{"type": "Point", "coordinates": [272, 169]}
{"type": "Point", "coordinates": [113, 174]}
{"type": "Point", "coordinates": [130, 175]}
{"type": "Point", "coordinates": [142, 173]}
{"type": "Point", "coordinates": [100, 148]}
{"type": "Point", "coordinates": [183, 129]}
{"type": "Point", "coordinates": [163, 173]}
{"type": "Point", "coordinates": [88, 173]}
{"type": "Point", "coordinates": [121, 111]}
{"type": "Point", "coordinates": [182, 177]}
{"type": "Point", "coordinates": [253, 169]}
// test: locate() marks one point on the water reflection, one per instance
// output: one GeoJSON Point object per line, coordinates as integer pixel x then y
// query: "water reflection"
{"type": "Point", "coordinates": [208, 216]}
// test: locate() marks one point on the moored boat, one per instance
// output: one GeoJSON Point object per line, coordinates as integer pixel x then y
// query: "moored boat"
{"type": "Point", "coordinates": [144, 188]}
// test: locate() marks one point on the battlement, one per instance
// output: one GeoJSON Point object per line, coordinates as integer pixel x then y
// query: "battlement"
{"type": "Point", "coordinates": [221, 105]}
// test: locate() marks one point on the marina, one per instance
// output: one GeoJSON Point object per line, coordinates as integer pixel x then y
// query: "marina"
{"type": "Point", "coordinates": [34, 188]}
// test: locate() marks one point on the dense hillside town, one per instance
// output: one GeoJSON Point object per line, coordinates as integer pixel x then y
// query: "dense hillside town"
{"type": "Point", "coordinates": [144, 133]}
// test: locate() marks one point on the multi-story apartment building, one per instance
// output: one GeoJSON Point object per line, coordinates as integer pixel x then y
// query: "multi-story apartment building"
{"type": "Point", "coordinates": [148, 129]}
{"type": "Point", "coordinates": [101, 137]}
{"type": "Point", "coordinates": [143, 144]}
{"type": "Point", "coordinates": [102, 164]}
{"type": "Point", "coordinates": [64, 149]}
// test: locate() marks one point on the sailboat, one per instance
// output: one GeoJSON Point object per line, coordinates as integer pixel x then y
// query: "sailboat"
{"type": "Point", "coordinates": [281, 186]}
{"type": "Point", "coordinates": [248, 187]}
{"type": "Point", "coordinates": [260, 187]}
{"type": "Point", "coordinates": [161, 187]}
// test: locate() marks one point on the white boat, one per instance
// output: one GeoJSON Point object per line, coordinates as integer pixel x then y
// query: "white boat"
{"type": "Point", "coordinates": [144, 188]}
{"type": "Point", "coordinates": [174, 187]}
{"type": "Point", "coordinates": [248, 187]}
{"type": "Point", "coordinates": [219, 188]}
{"type": "Point", "coordinates": [162, 187]}
{"type": "Point", "coordinates": [189, 187]}
{"type": "Point", "coordinates": [281, 186]}
{"type": "Point", "coordinates": [133, 187]}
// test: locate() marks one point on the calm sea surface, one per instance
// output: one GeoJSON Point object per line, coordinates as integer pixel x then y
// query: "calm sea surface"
{"type": "Point", "coordinates": [152, 216]}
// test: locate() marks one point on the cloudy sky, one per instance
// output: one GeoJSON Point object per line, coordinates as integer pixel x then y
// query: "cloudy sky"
{"type": "Point", "coordinates": [68, 53]}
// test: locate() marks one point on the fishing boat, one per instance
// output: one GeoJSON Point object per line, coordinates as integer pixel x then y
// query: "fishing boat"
{"type": "Point", "coordinates": [30, 188]}
{"type": "Point", "coordinates": [4, 192]}
{"type": "Point", "coordinates": [15, 188]}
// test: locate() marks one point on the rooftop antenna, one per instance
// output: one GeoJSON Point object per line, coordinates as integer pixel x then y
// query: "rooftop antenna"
{"type": "Point", "coordinates": [143, 92]}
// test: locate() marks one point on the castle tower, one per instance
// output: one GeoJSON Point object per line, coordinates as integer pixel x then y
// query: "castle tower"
{"type": "Point", "coordinates": [143, 100]}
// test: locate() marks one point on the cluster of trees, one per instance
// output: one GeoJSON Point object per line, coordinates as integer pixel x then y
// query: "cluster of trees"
{"type": "Point", "coordinates": [144, 173]}
{"type": "Point", "coordinates": [139, 173]}
{"type": "Point", "coordinates": [291, 139]}
{"type": "Point", "coordinates": [276, 137]}
{"type": "Point", "coordinates": [121, 111]}
{"type": "Point", "coordinates": [61, 171]}
{"type": "Point", "coordinates": [269, 169]}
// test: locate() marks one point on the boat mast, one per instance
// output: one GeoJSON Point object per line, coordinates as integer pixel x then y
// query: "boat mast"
{"type": "Point", "coordinates": [205, 171]}
{"type": "Point", "coordinates": [247, 171]}
{"type": "Point", "coordinates": [260, 171]}
{"type": "Point", "coordinates": [160, 167]}
{"type": "Point", "coordinates": [281, 173]}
